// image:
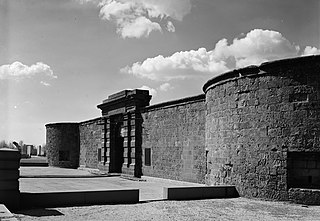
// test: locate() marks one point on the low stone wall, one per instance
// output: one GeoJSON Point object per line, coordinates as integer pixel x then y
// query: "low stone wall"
{"type": "Point", "coordinates": [5, 214]}
{"type": "Point", "coordinates": [9, 178]}
{"type": "Point", "coordinates": [304, 196]}
{"type": "Point", "coordinates": [173, 137]}
{"type": "Point", "coordinates": [199, 192]}
{"type": "Point", "coordinates": [90, 140]}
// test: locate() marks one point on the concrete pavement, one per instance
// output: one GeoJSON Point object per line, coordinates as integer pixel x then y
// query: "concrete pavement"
{"type": "Point", "coordinates": [84, 180]}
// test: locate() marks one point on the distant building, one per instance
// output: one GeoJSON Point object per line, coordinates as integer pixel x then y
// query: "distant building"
{"type": "Point", "coordinates": [28, 149]}
{"type": "Point", "coordinates": [40, 151]}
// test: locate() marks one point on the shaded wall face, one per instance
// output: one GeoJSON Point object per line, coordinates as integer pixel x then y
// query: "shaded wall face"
{"type": "Point", "coordinates": [62, 141]}
{"type": "Point", "coordinates": [173, 142]}
{"type": "Point", "coordinates": [304, 170]}
{"type": "Point", "coordinates": [90, 141]}
{"type": "Point", "coordinates": [252, 123]}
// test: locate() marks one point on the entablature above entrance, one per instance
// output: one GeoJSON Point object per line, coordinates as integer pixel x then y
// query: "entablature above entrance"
{"type": "Point", "coordinates": [125, 101]}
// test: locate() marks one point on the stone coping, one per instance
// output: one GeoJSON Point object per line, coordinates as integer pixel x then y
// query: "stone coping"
{"type": "Point", "coordinates": [125, 93]}
{"type": "Point", "coordinates": [67, 176]}
{"type": "Point", "coordinates": [8, 149]}
{"type": "Point", "coordinates": [203, 192]}
{"type": "Point", "coordinates": [167, 104]}
{"type": "Point", "coordinates": [78, 198]}
{"type": "Point", "coordinates": [177, 102]}
{"type": "Point", "coordinates": [262, 69]}
{"type": "Point", "coordinates": [61, 124]}
{"type": "Point", "coordinates": [91, 121]}
{"type": "Point", "coordinates": [5, 214]}
{"type": "Point", "coordinates": [126, 98]}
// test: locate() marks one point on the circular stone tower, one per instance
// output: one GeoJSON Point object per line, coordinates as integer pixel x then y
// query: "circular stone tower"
{"type": "Point", "coordinates": [62, 143]}
{"type": "Point", "coordinates": [263, 128]}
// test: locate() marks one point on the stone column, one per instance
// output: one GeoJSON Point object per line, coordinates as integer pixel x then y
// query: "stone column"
{"type": "Point", "coordinates": [9, 178]}
{"type": "Point", "coordinates": [135, 143]}
{"type": "Point", "coordinates": [107, 142]}
{"type": "Point", "coordinates": [126, 144]}
{"type": "Point", "coordinates": [103, 142]}
{"type": "Point", "coordinates": [127, 167]}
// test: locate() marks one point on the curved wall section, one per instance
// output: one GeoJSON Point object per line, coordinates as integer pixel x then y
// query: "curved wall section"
{"type": "Point", "coordinates": [62, 142]}
{"type": "Point", "coordinates": [263, 128]}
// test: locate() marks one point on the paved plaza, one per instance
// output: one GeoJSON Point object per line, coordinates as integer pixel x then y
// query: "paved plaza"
{"type": "Point", "coordinates": [52, 179]}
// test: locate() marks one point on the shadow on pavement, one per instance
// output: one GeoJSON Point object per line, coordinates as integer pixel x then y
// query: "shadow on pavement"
{"type": "Point", "coordinates": [39, 212]}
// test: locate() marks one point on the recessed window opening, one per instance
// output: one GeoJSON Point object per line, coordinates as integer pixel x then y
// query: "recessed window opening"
{"type": "Point", "coordinates": [303, 170]}
{"type": "Point", "coordinates": [147, 155]}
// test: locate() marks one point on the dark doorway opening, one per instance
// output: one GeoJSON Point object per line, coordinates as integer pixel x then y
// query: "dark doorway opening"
{"type": "Point", "coordinates": [116, 150]}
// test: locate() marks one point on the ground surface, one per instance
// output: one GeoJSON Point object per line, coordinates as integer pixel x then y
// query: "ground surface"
{"type": "Point", "coordinates": [34, 160]}
{"type": "Point", "coordinates": [48, 179]}
{"type": "Point", "coordinates": [215, 209]}
{"type": "Point", "coordinates": [151, 207]}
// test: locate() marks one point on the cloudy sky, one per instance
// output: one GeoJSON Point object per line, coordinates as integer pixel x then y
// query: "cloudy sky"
{"type": "Point", "coordinates": [59, 59]}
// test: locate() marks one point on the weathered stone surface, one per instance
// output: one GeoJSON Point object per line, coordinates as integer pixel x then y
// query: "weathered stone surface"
{"type": "Point", "coordinates": [257, 128]}
{"type": "Point", "coordinates": [90, 140]}
{"type": "Point", "coordinates": [254, 117]}
{"type": "Point", "coordinates": [125, 101]}
{"type": "Point", "coordinates": [175, 133]}
{"type": "Point", "coordinates": [304, 196]}
{"type": "Point", "coordinates": [62, 140]}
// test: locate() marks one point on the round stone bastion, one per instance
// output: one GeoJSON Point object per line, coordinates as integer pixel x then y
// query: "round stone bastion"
{"type": "Point", "coordinates": [263, 129]}
{"type": "Point", "coordinates": [62, 143]}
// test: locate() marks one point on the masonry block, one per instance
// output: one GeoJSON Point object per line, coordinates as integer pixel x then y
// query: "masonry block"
{"type": "Point", "coordinates": [206, 192]}
{"type": "Point", "coordinates": [9, 178]}
{"type": "Point", "coordinates": [78, 198]}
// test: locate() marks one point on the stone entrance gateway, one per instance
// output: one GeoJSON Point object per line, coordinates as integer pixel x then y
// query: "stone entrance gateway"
{"type": "Point", "coordinates": [120, 149]}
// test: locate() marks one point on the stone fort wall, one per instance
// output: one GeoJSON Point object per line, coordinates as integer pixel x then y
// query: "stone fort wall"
{"type": "Point", "coordinates": [263, 128]}
{"type": "Point", "coordinates": [91, 132]}
{"type": "Point", "coordinates": [257, 128]}
{"type": "Point", "coordinates": [173, 135]}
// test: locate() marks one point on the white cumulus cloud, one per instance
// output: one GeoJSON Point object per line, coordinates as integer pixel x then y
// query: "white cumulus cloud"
{"type": "Point", "coordinates": [137, 18]}
{"type": "Point", "coordinates": [170, 27]}
{"type": "Point", "coordinates": [180, 65]}
{"type": "Point", "coordinates": [45, 83]}
{"type": "Point", "coordinates": [137, 28]}
{"type": "Point", "coordinates": [165, 87]}
{"type": "Point", "coordinates": [259, 46]}
{"type": "Point", "coordinates": [311, 51]}
{"type": "Point", "coordinates": [17, 70]}
{"type": "Point", "coordinates": [255, 47]}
